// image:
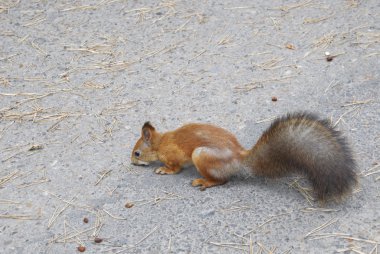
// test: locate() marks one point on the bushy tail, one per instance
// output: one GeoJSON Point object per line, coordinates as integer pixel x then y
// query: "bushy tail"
{"type": "Point", "coordinates": [303, 143]}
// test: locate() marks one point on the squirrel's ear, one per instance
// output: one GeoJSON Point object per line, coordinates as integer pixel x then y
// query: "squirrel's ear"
{"type": "Point", "coordinates": [147, 130]}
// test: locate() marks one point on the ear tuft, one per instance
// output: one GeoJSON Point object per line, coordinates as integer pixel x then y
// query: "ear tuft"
{"type": "Point", "coordinates": [147, 132]}
{"type": "Point", "coordinates": [148, 125]}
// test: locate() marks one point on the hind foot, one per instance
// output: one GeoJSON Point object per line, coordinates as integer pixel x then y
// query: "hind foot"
{"type": "Point", "coordinates": [205, 183]}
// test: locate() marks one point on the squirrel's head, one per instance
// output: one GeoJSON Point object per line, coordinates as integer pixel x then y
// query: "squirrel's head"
{"type": "Point", "coordinates": [144, 151]}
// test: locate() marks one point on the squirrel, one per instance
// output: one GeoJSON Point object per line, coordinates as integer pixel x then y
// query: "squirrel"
{"type": "Point", "coordinates": [298, 142]}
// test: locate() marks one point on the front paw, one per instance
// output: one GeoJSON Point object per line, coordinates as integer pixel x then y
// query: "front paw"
{"type": "Point", "coordinates": [162, 171]}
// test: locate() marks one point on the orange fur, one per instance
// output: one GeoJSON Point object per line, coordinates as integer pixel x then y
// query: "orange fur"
{"type": "Point", "coordinates": [207, 147]}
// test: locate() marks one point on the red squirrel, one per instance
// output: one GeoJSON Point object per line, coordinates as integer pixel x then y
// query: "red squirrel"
{"type": "Point", "coordinates": [299, 142]}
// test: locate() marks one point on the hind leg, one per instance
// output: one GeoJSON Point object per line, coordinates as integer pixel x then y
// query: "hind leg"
{"type": "Point", "coordinates": [210, 167]}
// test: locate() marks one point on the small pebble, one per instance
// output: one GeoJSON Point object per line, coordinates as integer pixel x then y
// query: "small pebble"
{"type": "Point", "coordinates": [81, 249]}
{"type": "Point", "coordinates": [85, 220]}
{"type": "Point", "coordinates": [290, 46]}
{"type": "Point", "coordinates": [98, 240]}
{"type": "Point", "coordinates": [129, 205]}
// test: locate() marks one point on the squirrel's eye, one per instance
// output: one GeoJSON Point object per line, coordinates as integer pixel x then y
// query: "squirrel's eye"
{"type": "Point", "coordinates": [137, 153]}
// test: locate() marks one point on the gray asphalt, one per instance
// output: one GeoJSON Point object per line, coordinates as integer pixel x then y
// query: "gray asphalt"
{"type": "Point", "coordinates": [78, 80]}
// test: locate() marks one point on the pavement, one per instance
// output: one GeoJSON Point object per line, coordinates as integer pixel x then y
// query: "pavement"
{"type": "Point", "coordinates": [79, 78]}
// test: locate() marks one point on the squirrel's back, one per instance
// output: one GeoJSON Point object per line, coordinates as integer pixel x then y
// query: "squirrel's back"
{"type": "Point", "coordinates": [303, 143]}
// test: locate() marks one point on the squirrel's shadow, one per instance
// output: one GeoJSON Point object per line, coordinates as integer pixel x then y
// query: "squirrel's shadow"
{"type": "Point", "coordinates": [241, 180]}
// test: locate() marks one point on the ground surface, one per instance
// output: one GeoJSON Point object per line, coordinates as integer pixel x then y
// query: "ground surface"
{"type": "Point", "coordinates": [79, 78]}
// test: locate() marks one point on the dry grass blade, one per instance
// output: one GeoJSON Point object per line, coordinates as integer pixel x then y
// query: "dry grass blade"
{"type": "Point", "coordinates": [312, 209]}
{"type": "Point", "coordinates": [9, 177]}
{"type": "Point", "coordinates": [34, 97]}
{"type": "Point", "coordinates": [8, 57]}
{"type": "Point", "coordinates": [102, 176]}
{"type": "Point", "coordinates": [91, 84]}
{"type": "Point", "coordinates": [324, 41]}
{"type": "Point", "coordinates": [70, 202]}
{"type": "Point", "coordinates": [357, 103]}
{"type": "Point", "coordinates": [239, 8]}
{"type": "Point", "coordinates": [40, 181]}
{"type": "Point", "coordinates": [259, 83]}
{"type": "Point", "coordinates": [18, 217]}
{"type": "Point", "coordinates": [145, 237]}
{"type": "Point", "coordinates": [270, 64]}
{"type": "Point", "coordinates": [57, 213]}
{"type": "Point", "coordinates": [36, 20]}
{"type": "Point", "coordinates": [138, 242]}
{"type": "Point", "coordinates": [5, 8]}
{"type": "Point", "coordinates": [225, 40]}
{"type": "Point", "coordinates": [271, 218]}
{"type": "Point", "coordinates": [80, 8]}
{"type": "Point", "coordinates": [324, 225]}
{"type": "Point", "coordinates": [317, 20]}
{"type": "Point", "coordinates": [9, 202]}
{"type": "Point", "coordinates": [264, 248]}
{"type": "Point", "coordinates": [183, 25]}
{"type": "Point", "coordinates": [366, 39]}
{"type": "Point", "coordinates": [349, 239]}
{"type": "Point", "coordinates": [94, 49]}
{"type": "Point", "coordinates": [163, 50]}
{"type": "Point", "coordinates": [328, 235]}
{"type": "Point", "coordinates": [305, 192]}
{"type": "Point", "coordinates": [56, 124]}
{"type": "Point", "coordinates": [370, 171]}
{"type": "Point", "coordinates": [345, 113]}
{"type": "Point", "coordinates": [65, 238]}
{"type": "Point", "coordinates": [359, 239]}
{"type": "Point", "coordinates": [5, 129]}
{"type": "Point", "coordinates": [236, 246]}
{"type": "Point", "coordinates": [38, 48]}
{"type": "Point", "coordinates": [235, 208]}
{"type": "Point", "coordinates": [156, 199]}
{"type": "Point", "coordinates": [113, 216]}
{"type": "Point", "coordinates": [118, 108]}
{"type": "Point", "coordinates": [98, 223]}
{"type": "Point", "coordinates": [351, 249]}
{"type": "Point", "coordinates": [287, 8]}
{"type": "Point", "coordinates": [4, 81]}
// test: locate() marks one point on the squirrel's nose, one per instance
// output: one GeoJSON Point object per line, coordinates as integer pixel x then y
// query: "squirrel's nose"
{"type": "Point", "coordinates": [139, 163]}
